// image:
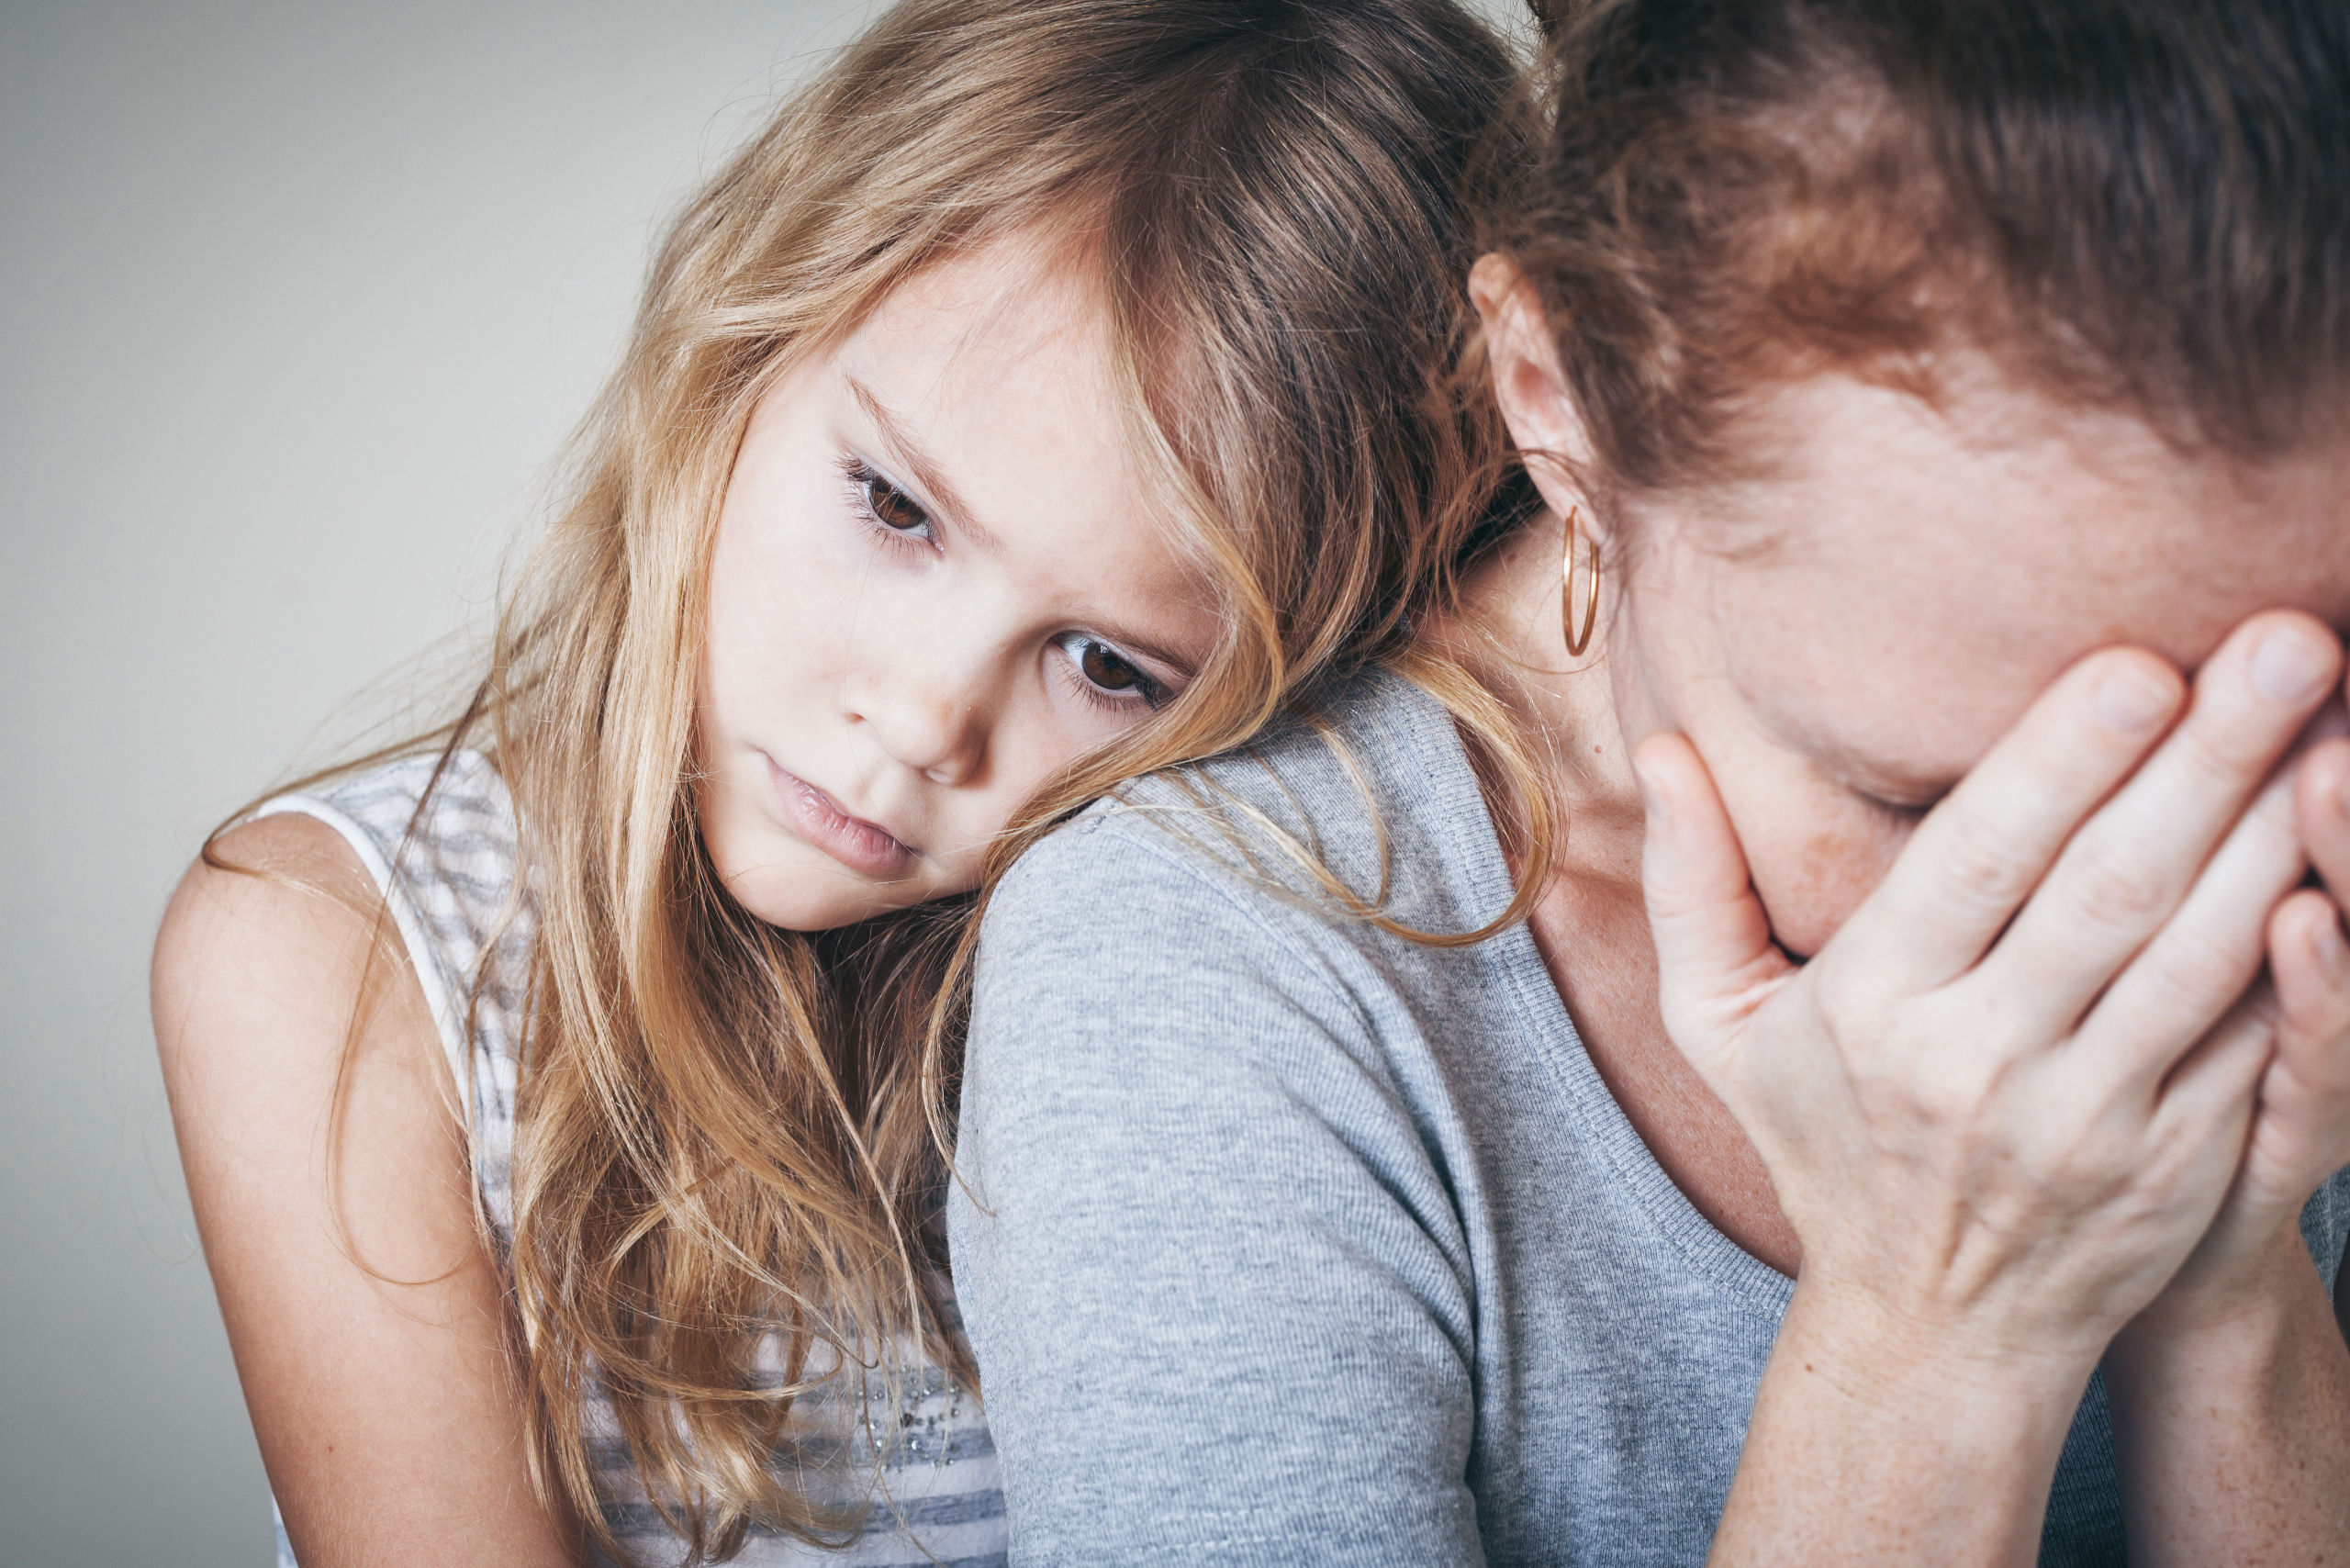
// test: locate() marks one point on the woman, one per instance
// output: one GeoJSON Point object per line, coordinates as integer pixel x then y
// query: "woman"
{"type": "Point", "coordinates": [1907, 1126]}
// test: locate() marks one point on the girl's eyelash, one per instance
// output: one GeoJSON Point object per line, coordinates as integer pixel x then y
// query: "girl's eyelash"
{"type": "Point", "coordinates": [864, 482]}
{"type": "Point", "coordinates": [866, 485]}
{"type": "Point", "coordinates": [1149, 694]}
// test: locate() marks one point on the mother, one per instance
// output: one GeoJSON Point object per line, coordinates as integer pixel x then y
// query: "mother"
{"type": "Point", "coordinates": [1932, 382]}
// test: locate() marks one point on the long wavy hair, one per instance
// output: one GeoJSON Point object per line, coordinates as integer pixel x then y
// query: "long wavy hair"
{"type": "Point", "coordinates": [728, 1134]}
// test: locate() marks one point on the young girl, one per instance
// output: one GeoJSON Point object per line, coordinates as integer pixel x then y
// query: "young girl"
{"type": "Point", "coordinates": [1037, 400]}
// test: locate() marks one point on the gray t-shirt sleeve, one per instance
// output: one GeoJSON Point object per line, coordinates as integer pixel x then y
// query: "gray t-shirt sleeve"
{"type": "Point", "coordinates": [1220, 1297]}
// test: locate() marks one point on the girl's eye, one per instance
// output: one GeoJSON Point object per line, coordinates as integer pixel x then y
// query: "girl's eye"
{"type": "Point", "coordinates": [888, 505]}
{"type": "Point", "coordinates": [1110, 677]}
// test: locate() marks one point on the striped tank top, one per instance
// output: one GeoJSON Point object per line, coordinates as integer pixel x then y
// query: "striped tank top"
{"type": "Point", "coordinates": [936, 1499]}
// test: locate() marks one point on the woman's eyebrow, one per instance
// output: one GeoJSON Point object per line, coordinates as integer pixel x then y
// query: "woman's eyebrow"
{"type": "Point", "coordinates": [923, 468]}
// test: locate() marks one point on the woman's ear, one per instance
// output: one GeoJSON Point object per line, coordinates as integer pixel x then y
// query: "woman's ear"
{"type": "Point", "coordinates": [1527, 382]}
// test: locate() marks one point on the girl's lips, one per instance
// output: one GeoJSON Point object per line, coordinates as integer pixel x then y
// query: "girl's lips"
{"type": "Point", "coordinates": [818, 818]}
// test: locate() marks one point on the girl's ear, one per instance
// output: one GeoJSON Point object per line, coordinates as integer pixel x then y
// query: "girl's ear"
{"type": "Point", "coordinates": [1527, 382]}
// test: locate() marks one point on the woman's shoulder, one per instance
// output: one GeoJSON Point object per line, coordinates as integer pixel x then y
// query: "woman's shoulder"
{"type": "Point", "coordinates": [438, 837]}
{"type": "Point", "coordinates": [1364, 802]}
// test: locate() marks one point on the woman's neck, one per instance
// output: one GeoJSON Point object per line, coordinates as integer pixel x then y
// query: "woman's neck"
{"type": "Point", "coordinates": [1591, 924]}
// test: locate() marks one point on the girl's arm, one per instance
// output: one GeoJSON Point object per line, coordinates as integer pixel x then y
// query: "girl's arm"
{"type": "Point", "coordinates": [317, 1121]}
{"type": "Point", "coordinates": [2005, 1104]}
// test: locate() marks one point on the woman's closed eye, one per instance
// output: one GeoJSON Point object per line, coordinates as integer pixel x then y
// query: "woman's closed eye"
{"type": "Point", "coordinates": [885, 506]}
{"type": "Point", "coordinates": [1106, 677]}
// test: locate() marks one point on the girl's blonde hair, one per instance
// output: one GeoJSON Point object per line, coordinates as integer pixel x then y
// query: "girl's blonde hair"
{"type": "Point", "coordinates": [726, 1129]}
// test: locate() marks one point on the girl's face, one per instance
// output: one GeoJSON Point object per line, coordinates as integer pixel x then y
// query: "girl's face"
{"type": "Point", "coordinates": [936, 579]}
{"type": "Point", "coordinates": [1843, 637]}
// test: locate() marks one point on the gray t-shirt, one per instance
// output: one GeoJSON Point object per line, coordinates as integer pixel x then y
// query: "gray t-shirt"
{"type": "Point", "coordinates": [1288, 1240]}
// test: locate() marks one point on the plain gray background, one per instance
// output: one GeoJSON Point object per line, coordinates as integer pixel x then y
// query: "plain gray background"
{"type": "Point", "coordinates": [295, 303]}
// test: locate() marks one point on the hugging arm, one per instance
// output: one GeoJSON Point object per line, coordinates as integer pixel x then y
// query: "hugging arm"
{"type": "Point", "coordinates": [2039, 1047]}
{"type": "Point", "coordinates": [315, 1116]}
{"type": "Point", "coordinates": [1215, 1285]}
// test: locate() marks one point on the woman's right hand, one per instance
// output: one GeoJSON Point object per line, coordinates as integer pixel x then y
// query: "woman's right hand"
{"type": "Point", "coordinates": [2002, 1106]}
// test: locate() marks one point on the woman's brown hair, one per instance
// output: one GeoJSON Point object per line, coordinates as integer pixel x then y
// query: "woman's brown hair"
{"type": "Point", "coordinates": [2136, 204]}
{"type": "Point", "coordinates": [726, 1132]}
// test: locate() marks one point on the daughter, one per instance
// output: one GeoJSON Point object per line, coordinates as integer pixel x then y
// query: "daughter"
{"type": "Point", "coordinates": [1041, 398]}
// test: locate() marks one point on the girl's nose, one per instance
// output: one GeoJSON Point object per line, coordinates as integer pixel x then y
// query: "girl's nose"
{"type": "Point", "coordinates": [936, 726]}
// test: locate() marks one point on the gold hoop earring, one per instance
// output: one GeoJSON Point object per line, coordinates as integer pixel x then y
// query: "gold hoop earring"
{"type": "Point", "coordinates": [1576, 644]}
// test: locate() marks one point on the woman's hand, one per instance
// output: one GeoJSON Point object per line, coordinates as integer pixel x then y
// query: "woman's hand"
{"type": "Point", "coordinates": [2230, 1394]}
{"type": "Point", "coordinates": [2301, 1126]}
{"type": "Point", "coordinates": [2006, 1100]}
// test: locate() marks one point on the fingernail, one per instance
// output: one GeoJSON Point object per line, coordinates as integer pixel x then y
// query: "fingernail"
{"type": "Point", "coordinates": [2289, 668]}
{"type": "Point", "coordinates": [2332, 955]}
{"type": "Point", "coordinates": [2127, 700]}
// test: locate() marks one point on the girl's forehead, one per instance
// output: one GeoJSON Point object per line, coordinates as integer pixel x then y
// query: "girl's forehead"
{"type": "Point", "coordinates": [980, 311]}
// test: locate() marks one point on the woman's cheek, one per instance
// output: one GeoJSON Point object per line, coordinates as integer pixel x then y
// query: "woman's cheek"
{"type": "Point", "coordinates": [1811, 878]}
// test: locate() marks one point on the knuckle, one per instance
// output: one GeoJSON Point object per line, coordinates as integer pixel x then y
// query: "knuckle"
{"type": "Point", "coordinates": [1850, 999]}
{"type": "Point", "coordinates": [2112, 887]}
{"type": "Point", "coordinates": [2198, 969]}
{"type": "Point", "coordinates": [1949, 1099]}
{"type": "Point", "coordinates": [2227, 751]}
{"type": "Point", "coordinates": [1983, 871]}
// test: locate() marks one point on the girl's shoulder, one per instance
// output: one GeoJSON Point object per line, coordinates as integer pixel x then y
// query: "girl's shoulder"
{"type": "Point", "coordinates": [422, 818]}
{"type": "Point", "coordinates": [439, 840]}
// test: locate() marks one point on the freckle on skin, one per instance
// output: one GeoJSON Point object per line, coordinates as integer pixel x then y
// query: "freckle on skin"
{"type": "Point", "coordinates": [1815, 890]}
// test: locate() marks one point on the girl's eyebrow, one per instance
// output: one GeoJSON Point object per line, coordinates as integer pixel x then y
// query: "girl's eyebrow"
{"type": "Point", "coordinates": [924, 468]}
{"type": "Point", "coordinates": [927, 474]}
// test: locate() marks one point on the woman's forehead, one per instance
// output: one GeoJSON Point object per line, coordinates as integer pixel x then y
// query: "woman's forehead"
{"type": "Point", "coordinates": [1930, 572]}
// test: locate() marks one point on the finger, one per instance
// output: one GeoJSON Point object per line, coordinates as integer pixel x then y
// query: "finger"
{"type": "Point", "coordinates": [2199, 964]}
{"type": "Point", "coordinates": [1977, 856]}
{"type": "Point", "coordinates": [2323, 808]}
{"type": "Point", "coordinates": [2129, 868]}
{"type": "Point", "coordinates": [2200, 1114]}
{"type": "Point", "coordinates": [2300, 1132]}
{"type": "Point", "coordinates": [2309, 955]}
{"type": "Point", "coordinates": [1716, 960]}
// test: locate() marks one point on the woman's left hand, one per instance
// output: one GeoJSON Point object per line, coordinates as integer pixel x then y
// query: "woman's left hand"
{"type": "Point", "coordinates": [2231, 1392]}
{"type": "Point", "coordinates": [2300, 1128]}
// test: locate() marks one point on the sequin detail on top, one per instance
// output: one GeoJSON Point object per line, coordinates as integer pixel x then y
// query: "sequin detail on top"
{"type": "Point", "coordinates": [935, 1498]}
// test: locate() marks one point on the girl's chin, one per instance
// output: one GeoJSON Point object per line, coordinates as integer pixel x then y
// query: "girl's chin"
{"type": "Point", "coordinates": [808, 892]}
